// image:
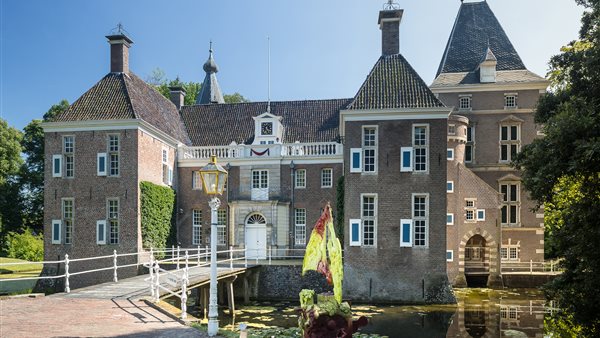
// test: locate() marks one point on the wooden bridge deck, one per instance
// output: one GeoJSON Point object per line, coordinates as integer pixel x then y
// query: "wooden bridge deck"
{"type": "Point", "coordinates": [135, 288]}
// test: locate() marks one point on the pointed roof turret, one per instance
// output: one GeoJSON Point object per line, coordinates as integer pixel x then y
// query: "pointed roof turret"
{"type": "Point", "coordinates": [210, 91]}
{"type": "Point", "coordinates": [489, 55]}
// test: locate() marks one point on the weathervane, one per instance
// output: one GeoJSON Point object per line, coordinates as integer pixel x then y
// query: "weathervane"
{"type": "Point", "coordinates": [391, 5]}
{"type": "Point", "coordinates": [119, 30]}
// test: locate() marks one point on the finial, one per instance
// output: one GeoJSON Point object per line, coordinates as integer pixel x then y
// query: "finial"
{"type": "Point", "coordinates": [119, 30]}
{"type": "Point", "coordinates": [210, 47]}
{"type": "Point", "coordinates": [391, 5]}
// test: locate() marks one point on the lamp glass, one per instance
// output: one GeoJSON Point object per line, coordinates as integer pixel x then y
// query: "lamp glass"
{"type": "Point", "coordinates": [213, 177]}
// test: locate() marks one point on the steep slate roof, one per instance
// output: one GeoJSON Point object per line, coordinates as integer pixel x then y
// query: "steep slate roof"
{"type": "Point", "coordinates": [393, 83]}
{"type": "Point", "coordinates": [475, 30]}
{"type": "Point", "coordinates": [210, 92]}
{"type": "Point", "coordinates": [304, 121]}
{"type": "Point", "coordinates": [120, 96]}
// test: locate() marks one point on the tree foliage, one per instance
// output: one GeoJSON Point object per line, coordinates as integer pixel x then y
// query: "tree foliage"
{"type": "Point", "coordinates": [158, 215]}
{"type": "Point", "coordinates": [10, 164]}
{"type": "Point", "coordinates": [26, 245]}
{"type": "Point", "coordinates": [562, 171]}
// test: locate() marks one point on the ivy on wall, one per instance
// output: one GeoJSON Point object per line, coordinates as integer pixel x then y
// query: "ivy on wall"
{"type": "Point", "coordinates": [158, 215]}
{"type": "Point", "coordinates": [339, 209]}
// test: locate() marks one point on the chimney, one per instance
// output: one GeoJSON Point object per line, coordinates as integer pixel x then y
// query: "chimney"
{"type": "Point", "coordinates": [389, 23]}
{"type": "Point", "coordinates": [177, 96]}
{"type": "Point", "coordinates": [119, 52]}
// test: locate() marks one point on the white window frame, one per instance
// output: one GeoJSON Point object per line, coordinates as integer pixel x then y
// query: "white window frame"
{"type": "Point", "coordinates": [68, 229]}
{"type": "Point", "coordinates": [260, 178]}
{"type": "Point", "coordinates": [451, 252]}
{"type": "Point", "coordinates": [110, 219]}
{"type": "Point", "coordinates": [222, 227]}
{"type": "Point", "coordinates": [356, 167]}
{"type": "Point", "coordinates": [69, 155]}
{"type": "Point", "coordinates": [416, 218]}
{"type": "Point", "coordinates": [299, 226]}
{"type": "Point", "coordinates": [506, 202]}
{"type": "Point", "coordinates": [470, 208]}
{"type": "Point", "coordinates": [364, 218]}
{"type": "Point", "coordinates": [101, 171]}
{"type": "Point", "coordinates": [369, 147]}
{"type": "Point", "coordinates": [424, 147]}
{"type": "Point", "coordinates": [409, 227]}
{"type": "Point", "coordinates": [451, 190]}
{"type": "Point", "coordinates": [450, 154]}
{"type": "Point", "coordinates": [300, 179]}
{"type": "Point", "coordinates": [110, 153]}
{"type": "Point", "coordinates": [477, 213]}
{"type": "Point", "coordinates": [406, 151]}
{"type": "Point", "coordinates": [509, 249]}
{"type": "Point", "coordinates": [451, 129]}
{"type": "Point", "coordinates": [57, 173]}
{"type": "Point", "coordinates": [468, 106]}
{"type": "Point", "coordinates": [515, 97]}
{"type": "Point", "coordinates": [358, 242]}
{"type": "Point", "coordinates": [196, 180]}
{"type": "Point", "coordinates": [101, 224]}
{"type": "Point", "coordinates": [56, 226]}
{"type": "Point", "coordinates": [451, 222]}
{"type": "Point", "coordinates": [323, 177]}
{"type": "Point", "coordinates": [196, 226]}
{"type": "Point", "coordinates": [509, 142]}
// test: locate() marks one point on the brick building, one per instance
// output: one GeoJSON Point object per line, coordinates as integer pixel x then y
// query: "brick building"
{"type": "Point", "coordinates": [494, 96]}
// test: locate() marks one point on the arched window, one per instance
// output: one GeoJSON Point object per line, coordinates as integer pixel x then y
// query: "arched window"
{"type": "Point", "coordinates": [256, 219]}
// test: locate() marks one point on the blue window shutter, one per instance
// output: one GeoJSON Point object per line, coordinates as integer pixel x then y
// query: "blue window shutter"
{"type": "Point", "coordinates": [355, 232]}
{"type": "Point", "coordinates": [101, 169]}
{"type": "Point", "coordinates": [56, 165]}
{"type": "Point", "coordinates": [449, 255]}
{"type": "Point", "coordinates": [56, 227]}
{"type": "Point", "coordinates": [406, 233]}
{"type": "Point", "coordinates": [406, 155]}
{"type": "Point", "coordinates": [101, 232]}
{"type": "Point", "coordinates": [356, 160]}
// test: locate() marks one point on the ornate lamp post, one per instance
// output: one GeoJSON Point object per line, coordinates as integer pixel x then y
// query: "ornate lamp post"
{"type": "Point", "coordinates": [213, 181]}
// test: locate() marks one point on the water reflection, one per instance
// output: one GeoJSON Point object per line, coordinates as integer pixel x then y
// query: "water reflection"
{"type": "Point", "coordinates": [478, 313]}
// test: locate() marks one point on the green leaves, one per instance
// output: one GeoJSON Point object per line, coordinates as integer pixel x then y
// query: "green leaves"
{"type": "Point", "coordinates": [158, 218]}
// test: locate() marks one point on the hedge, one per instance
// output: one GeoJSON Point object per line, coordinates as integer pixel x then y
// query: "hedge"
{"type": "Point", "coordinates": [158, 215]}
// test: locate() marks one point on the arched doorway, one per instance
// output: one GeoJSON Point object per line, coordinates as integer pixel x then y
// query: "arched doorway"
{"type": "Point", "coordinates": [256, 236]}
{"type": "Point", "coordinates": [477, 261]}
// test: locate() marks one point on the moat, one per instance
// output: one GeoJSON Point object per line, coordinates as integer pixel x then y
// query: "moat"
{"type": "Point", "coordinates": [479, 313]}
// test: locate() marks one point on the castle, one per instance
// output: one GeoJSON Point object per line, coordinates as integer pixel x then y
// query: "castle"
{"type": "Point", "coordinates": [406, 151]}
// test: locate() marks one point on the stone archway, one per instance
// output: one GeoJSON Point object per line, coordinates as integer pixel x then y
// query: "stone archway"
{"type": "Point", "coordinates": [491, 245]}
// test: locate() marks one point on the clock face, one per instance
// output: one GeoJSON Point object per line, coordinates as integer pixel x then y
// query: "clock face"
{"type": "Point", "coordinates": [266, 128]}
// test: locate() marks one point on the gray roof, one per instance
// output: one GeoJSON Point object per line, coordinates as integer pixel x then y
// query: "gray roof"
{"type": "Point", "coordinates": [303, 121]}
{"type": "Point", "coordinates": [120, 96]}
{"type": "Point", "coordinates": [210, 92]}
{"type": "Point", "coordinates": [393, 83]}
{"type": "Point", "coordinates": [475, 30]}
{"type": "Point", "coordinates": [502, 77]}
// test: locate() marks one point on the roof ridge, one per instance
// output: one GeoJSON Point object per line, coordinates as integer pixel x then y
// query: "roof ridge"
{"type": "Point", "coordinates": [446, 50]}
{"type": "Point", "coordinates": [128, 96]}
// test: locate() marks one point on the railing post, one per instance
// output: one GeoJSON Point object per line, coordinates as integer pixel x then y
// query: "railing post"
{"type": "Point", "coordinates": [172, 252]}
{"type": "Point", "coordinates": [270, 249]}
{"type": "Point", "coordinates": [552, 266]}
{"type": "Point", "coordinates": [245, 257]}
{"type": "Point", "coordinates": [531, 266]}
{"type": "Point", "coordinates": [67, 288]}
{"type": "Point", "coordinates": [206, 255]}
{"type": "Point", "coordinates": [186, 262]}
{"type": "Point", "coordinates": [198, 258]}
{"type": "Point", "coordinates": [151, 270]}
{"type": "Point", "coordinates": [157, 282]}
{"type": "Point", "coordinates": [184, 281]}
{"type": "Point", "coordinates": [115, 279]}
{"type": "Point", "coordinates": [231, 257]}
{"type": "Point", "coordinates": [178, 257]}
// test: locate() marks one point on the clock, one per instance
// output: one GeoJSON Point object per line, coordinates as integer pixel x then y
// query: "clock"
{"type": "Point", "coordinates": [266, 128]}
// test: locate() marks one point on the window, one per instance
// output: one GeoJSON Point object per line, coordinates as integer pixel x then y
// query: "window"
{"type": "Point", "coordinates": [450, 154]}
{"type": "Point", "coordinates": [470, 210]}
{"type": "Point", "coordinates": [480, 214]}
{"type": "Point", "coordinates": [509, 213]}
{"type": "Point", "coordinates": [420, 220]}
{"type": "Point", "coordinates": [470, 215]}
{"type": "Point", "coordinates": [355, 232]}
{"type": "Point", "coordinates": [369, 219]}
{"type": "Point", "coordinates": [510, 142]}
{"type": "Point", "coordinates": [260, 179]}
{"type": "Point", "coordinates": [406, 237]}
{"type": "Point", "coordinates": [67, 219]}
{"type": "Point", "coordinates": [510, 101]}
{"type": "Point", "coordinates": [449, 219]}
{"type": "Point", "coordinates": [406, 155]}
{"type": "Point", "coordinates": [326, 178]}
{"type": "Point", "coordinates": [56, 165]}
{"type": "Point", "coordinates": [113, 220]}
{"type": "Point", "coordinates": [69, 155]}
{"type": "Point", "coordinates": [469, 147]}
{"type": "Point", "coordinates": [101, 164]}
{"type": "Point", "coordinates": [464, 103]}
{"type": "Point", "coordinates": [300, 226]}
{"type": "Point", "coordinates": [196, 180]}
{"type": "Point", "coordinates": [449, 255]}
{"type": "Point", "coordinates": [450, 186]}
{"type": "Point", "coordinates": [510, 251]}
{"type": "Point", "coordinates": [369, 149]}
{"type": "Point", "coordinates": [113, 155]}
{"type": "Point", "coordinates": [451, 129]}
{"type": "Point", "coordinates": [300, 179]}
{"type": "Point", "coordinates": [420, 145]}
{"type": "Point", "coordinates": [356, 160]}
{"type": "Point", "coordinates": [101, 232]}
{"type": "Point", "coordinates": [167, 170]}
{"type": "Point", "coordinates": [56, 226]}
{"type": "Point", "coordinates": [196, 227]}
{"type": "Point", "coordinates": [222, 227]}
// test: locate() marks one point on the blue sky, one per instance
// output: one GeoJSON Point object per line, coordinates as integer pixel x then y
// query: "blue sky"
{"type": "Point", "coordinates": [320, 49]}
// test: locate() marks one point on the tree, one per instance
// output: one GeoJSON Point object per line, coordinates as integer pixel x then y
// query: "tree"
{"type": "Point", "coordinates": [32, 172]}
{"type": "Point", "coordinates": [562, 172]}
{"type": "Point", "coordinates": [10, 162]}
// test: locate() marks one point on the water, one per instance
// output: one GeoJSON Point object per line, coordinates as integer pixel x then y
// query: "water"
{"type": "Point", "coordinates": [479, 313]}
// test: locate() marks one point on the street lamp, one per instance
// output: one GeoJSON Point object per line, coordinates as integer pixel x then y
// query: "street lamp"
{"type": "Point", "coordinates": [213, 182]}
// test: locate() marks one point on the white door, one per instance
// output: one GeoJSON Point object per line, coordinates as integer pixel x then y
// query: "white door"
{"type": "Point", "coordinates": [256, 237]}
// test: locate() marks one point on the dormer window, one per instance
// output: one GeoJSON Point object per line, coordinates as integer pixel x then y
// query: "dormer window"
{"type": "Point", "coordinates": [266, 128]}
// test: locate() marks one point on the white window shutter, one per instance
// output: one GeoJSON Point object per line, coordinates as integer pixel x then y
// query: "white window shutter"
{"type": "Point", "coordinates": [406, 235]}
{"type": "Point", "coordinates": [170, 175]}
{"type": "Point", "coordinates": [406, 159]}
{"type": "Point", "coordinates": [56, 231]}
{"type": "Point", "coordinates": [56, 165]}
{"type": "Point", "coordinates": [355, 232]}
{"type": "Point", "coordinates": [356, 160]}
{"type": "Point", "coordinates": [101, 164]}
{"type": "Point", "coordinates": [101, 231]}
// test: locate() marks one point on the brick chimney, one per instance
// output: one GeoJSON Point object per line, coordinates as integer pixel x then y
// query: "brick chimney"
{"type": "Point", "coordinates": [119, 52]}
{"type": "Point", "coordinates": [177, 96]}
{"type": "Point", "coordinates": [389, 23]}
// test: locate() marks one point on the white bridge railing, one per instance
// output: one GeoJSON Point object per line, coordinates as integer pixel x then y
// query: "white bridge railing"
{"type": "Point", "coordinates": [531, 267]}
{"type": "Point", "coordinates": [287, 150]}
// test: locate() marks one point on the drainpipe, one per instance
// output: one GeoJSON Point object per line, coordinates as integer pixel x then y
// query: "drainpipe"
{"type": "Point", "coordinates": [228, 229]}
{"type": "Point", "coordinates": [291, 226]}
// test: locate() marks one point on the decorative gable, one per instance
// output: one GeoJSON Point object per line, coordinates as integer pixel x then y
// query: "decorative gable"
{"type": "Point", "coordinates": [267, 129]}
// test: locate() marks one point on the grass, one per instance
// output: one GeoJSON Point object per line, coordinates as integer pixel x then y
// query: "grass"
{"type": "Point", "coordinates": [31, 269]}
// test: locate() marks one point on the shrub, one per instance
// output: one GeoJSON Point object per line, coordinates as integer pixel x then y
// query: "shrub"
{"type": "Point", "coordinates": [26, 245]}
{"type": "Point", "coordinates": [157, 205]}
